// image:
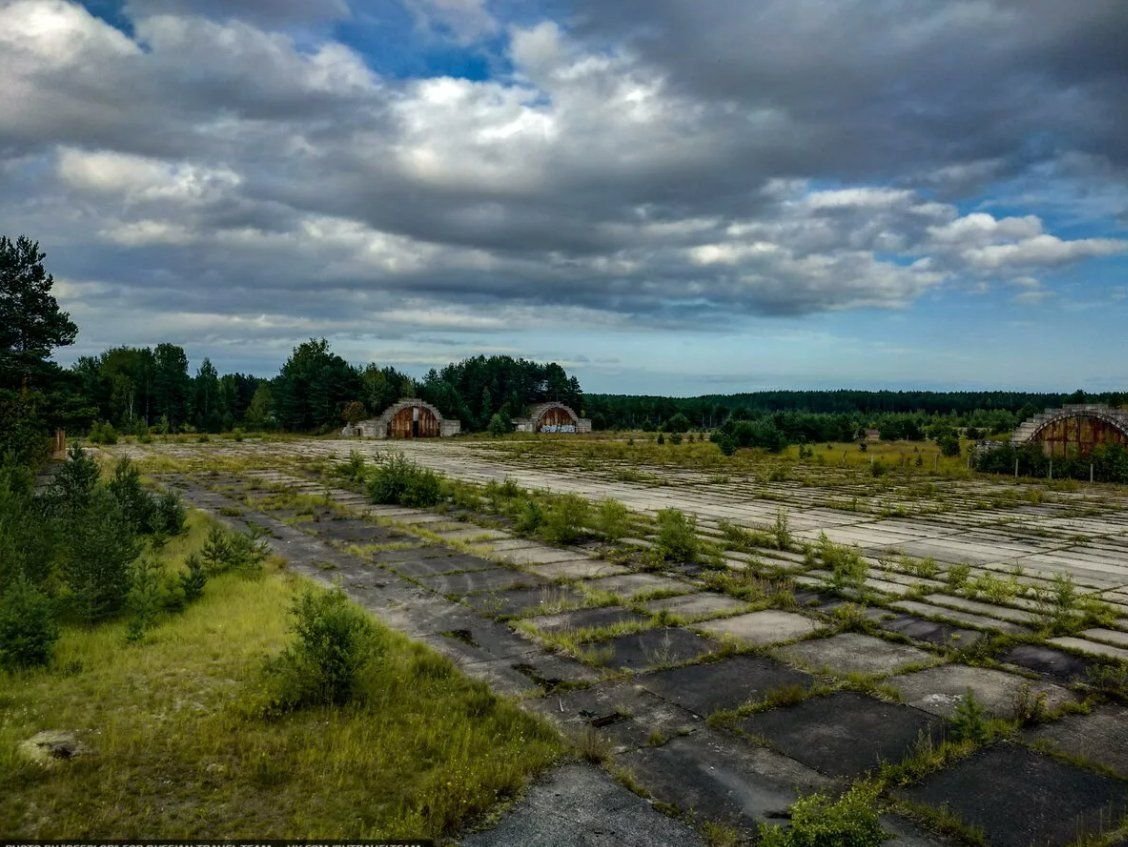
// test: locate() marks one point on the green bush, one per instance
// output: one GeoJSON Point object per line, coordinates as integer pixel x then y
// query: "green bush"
{"type": "Point", "coordinates": [530, 518]}
{"type": "Point", "coordinates": [847, 567]}
{"type": "Point", "coordinates": [612, 519]}
{"type": "Point", "coordinates": [400, 481]}
{"type": "Point", "coordinates": [103, 433]}
{"type": "Point", "coordinates": [169, 515]}
{"type": "Point", "coordinates": [334, 644]}
{"type": "Point", "coordinates": [499, 425]}
{"type": "Point", "coordinates": [353, 469]}
{"type": "Point", "coordinates": [144, 600]}
{"type": "Point", "coordinates": [677, 536]}
{"type": "Point", "coordinates": [816, 821]}
{"type": "Point", "coordinates": [74, 482]}
{"type": "Point", "coordinates": [98, 544]}
{"type": "Point", "coordinates": [27, 626]}
{"type": "Point", "coordinates": [225, 550]}
{"type": "Point", "coordinates": [27, 537]}
{"type": "Point", "coordinates": [969, 720]}
{"type": "Point", "coordinates": [135, 501]}
{"type": "Point", "coordinates": [781, 530]}
{"type": "Point", "coordinates": [193, 579]}
{"type": "Point", "coordinates": [564, 523]}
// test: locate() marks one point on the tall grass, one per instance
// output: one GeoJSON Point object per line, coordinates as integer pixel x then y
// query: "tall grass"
{"type": "Point", "coordinates": [181, 750]}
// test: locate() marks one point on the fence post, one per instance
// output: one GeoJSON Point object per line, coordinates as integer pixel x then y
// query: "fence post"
{"type": "Point", "coordinates": [1016, 467]}
{"type": "Point", "coordinates": [1051, 468]}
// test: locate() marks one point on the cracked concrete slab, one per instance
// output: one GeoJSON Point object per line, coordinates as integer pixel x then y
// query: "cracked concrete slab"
{"type": "Point", "coordinates": [852, 652]}
{"type": "Point", "coordinates": [625, 715]}
{"type": "Point", "coordinates": [634, 584]}
{"type": "Point", "coordinates": [577, 569]}
{"type": "Point", "coordinates": [769, 626]}
{"type": "Point", "coordinates": [1100, 736]}
{"type": "Point", "coordinates": [654, 648]}
{"type": "Point", "coordinates": [523, 601]}
{"type": "Point", "coordinates": [705, 604]}
{"type": "Point", "coordinates": [714, 779]}
{"type": "Point", "coordinates": [586, 619]}
{"type": "Point", "coordinates": [711, 686]}
{"type": "Point", "coordinates": [1057, 802]}
{"type": "Point", "coordinates": [1056, 664]}
{"type": "Point", "coordinates": [939, 690]}
{"type": "Point", "coordinates": [580, 805]}
{"type": "Point", "coordinates": [468, 582]}
{"type": "Point", "coordinates": [842, 734]}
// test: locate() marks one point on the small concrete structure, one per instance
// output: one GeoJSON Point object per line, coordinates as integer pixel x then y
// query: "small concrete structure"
{"type": "Point", "coordinates": [552, 417]}
{"type": "Point", "coordinates": [409, 418]}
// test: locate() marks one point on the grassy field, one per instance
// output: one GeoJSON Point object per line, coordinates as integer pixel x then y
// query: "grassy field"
{"type": "Point", "coordinates": [178, 748]}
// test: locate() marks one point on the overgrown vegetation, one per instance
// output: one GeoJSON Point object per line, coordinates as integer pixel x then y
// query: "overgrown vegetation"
{"type": "Point", "coordinates": [817, 821]}
{"type": "Point", "coordinates": [176, 726]}
{"type": "Point", "coordinates": [334, 647]}
{"type": "Point", "coordinates": [400, 481]}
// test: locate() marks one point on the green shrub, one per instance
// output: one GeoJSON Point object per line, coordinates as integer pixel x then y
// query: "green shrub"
{"type": "Point", "coordinates": [957, 576]}
{"type": "Point", "coordinates": [334, 644]}
{"type": "Point", "coordinates": [847, 567]}
{"type": "Point", "coordinates": [677, 536]}
{"type": "Point", "coordinates": [98, 542]}
{"type": "Point", "coordinates": [354, 469]}
{"type": "Point", "coordinates": [969, 720]}
{"type": "Point", "coordinates": [193, 579]}
{"type": "Point", "coordinates": [612, 519]}
{"type": "Point", "coordinates": [169, 515]}
{"type": "Point", "coordinates": [565, 521]}
{"type": "Point", "coordinates": [781, 530]}
{"type": "Point", "coordinates": [74, 482]}
{"type": "Point", "coordinates": [529, 518]}
{"type": "Point", "coordinates": [400, 481]}
{"type": "Point", "coordinates": [144, 600]}
{"type": "Point", "coordinates": [27, 626]}
{"type": "Point", "coordinates": [725, 442]}
{"type": "Point", "coordinates": [816, 821]}
{"type": "Point", "coordinates": [103, 433]}
{"type": "Point", "coordinates": [499, 425]}
{"type": "Point", "coordinates": [135, 502]}
{"type": "Point", "coordinates": [225, 550]}
{"type": "Point", "coordinates": [27, 537]}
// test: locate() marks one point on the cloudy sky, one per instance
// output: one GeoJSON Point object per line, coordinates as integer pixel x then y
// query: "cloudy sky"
{"type": "Point", "coordinates": [665, 196]}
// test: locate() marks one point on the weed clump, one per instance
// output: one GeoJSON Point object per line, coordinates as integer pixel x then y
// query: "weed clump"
{"type": "Point", "coordinates": [969, 720]}
{"type": "Point", "coordinates": [612, 520]}
{"type": "Point", "coordinates": [564, 523]}
{"type": "Point", "coordinates": [848, 569]}
{"type": "Point", "coordinates": [400, 481]}
{"type": "Point", "coordinates": [677, 536]}
{"type": "Point", "coordinates": [334, 645]}
{"type": "Point", "coordinates": [817, 821]}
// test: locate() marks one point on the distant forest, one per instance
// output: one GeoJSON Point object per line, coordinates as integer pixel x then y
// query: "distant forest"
{"type": "Point", "coordinates": [988, 410]}
{"type": "Point", "coordinates": [139, 390]}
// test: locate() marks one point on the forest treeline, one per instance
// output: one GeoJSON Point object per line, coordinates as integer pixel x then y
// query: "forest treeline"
{"type": "Point", "coordinates": [141, 390]}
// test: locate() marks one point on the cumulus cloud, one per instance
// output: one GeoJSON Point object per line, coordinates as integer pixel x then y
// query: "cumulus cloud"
{"type": "Point", "coordinates": [672, 168]}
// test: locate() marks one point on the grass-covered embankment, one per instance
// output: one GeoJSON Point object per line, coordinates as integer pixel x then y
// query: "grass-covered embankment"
{"type": "Point", "coordinates": [180, 746]}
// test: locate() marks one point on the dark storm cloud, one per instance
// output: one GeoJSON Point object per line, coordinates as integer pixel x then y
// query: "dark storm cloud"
{"type": "Point", "coordinates": [232, 167]}
{"type": "Point", "coordinates": [878, 87]}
